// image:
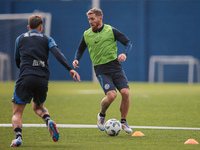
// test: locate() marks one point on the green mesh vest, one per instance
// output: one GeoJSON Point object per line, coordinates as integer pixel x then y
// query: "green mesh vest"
{"type": "Point", "coordinates": [101, 45]}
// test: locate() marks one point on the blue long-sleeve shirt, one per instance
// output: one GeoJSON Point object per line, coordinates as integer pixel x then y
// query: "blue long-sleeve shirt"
{"type": "Point", "coordinates": [32, 54]}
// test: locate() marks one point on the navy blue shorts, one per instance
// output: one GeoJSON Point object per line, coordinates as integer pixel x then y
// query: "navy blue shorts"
{"type": "Point", "coordinates": [30, 87]}
{"type": "Point", "coordinates": [111, 81]}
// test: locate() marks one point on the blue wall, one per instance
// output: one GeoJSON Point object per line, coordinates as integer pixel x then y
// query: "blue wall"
{"type": "Point", "coordinates": [155, 27]}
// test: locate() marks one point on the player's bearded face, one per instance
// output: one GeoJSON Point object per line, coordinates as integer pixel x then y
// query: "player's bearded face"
{"type": "Point", "coordinates": [95, 21]}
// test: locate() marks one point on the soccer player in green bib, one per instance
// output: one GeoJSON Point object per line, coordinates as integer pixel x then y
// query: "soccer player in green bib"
{"type": "Point", "coordinates": [101, 42]}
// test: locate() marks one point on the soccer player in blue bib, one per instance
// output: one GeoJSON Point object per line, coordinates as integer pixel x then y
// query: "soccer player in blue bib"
{"type": "Point", "coordinates": [31, 54]}
{"type": "Point", "coordinates": [101, 42]}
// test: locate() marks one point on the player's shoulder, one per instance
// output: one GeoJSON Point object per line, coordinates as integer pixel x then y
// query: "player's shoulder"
{"type": "Point", "coordinates": [50, 39]}
{"type": "Point", "coordinates": [108, 26]}
{"type": "Point", "coordinates": [20, 37]}
{"type": "Point", "coordinates": [88, 31]}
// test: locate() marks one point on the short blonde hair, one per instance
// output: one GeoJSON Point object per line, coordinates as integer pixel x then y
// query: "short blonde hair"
{"type": "Point", "coordinates": [96, 11]}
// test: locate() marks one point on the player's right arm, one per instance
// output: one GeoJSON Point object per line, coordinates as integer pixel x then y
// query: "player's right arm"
{"type": "Point", "coordinates": [79, 52]}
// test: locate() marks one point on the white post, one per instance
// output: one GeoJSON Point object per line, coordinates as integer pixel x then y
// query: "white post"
{"type": "Point", "coordinates": [1, 68]}
{"type": "Point", "coordinates": [48, 24]}
{"type": "Point", "coordinates": [151, 69]}
{"type": "Point", "coordinates": [198, 70]}
{"type": "Point", "coordinates": [190, 71]}
{"type": "Point", "coordinates": [160, 71]}
{"type": "Point", "coordinates": [95, 3]}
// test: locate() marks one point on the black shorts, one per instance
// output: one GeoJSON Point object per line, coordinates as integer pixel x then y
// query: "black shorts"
{"type": "Point", "coordinates": [28, 87]}
{"type": "Point", "coordinates": [111, 81]}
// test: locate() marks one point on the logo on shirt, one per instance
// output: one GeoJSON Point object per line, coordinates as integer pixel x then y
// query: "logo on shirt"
{"type": "Point", "coordinates": [26, 35]}
{"type": "Point", "coordinates": [33, 34]}
{"type": "Point", "coordinates": [36, 34]}
{"type": "Point", "coordinates": [38, 63]}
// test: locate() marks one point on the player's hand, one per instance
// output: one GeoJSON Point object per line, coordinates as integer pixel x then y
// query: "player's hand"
{"type": "Point", "coordinates": [75, 75]}
{"type": "Point", "coordinates": [122, 58]}
{"type": "Point", "coordinates": [75, 64]}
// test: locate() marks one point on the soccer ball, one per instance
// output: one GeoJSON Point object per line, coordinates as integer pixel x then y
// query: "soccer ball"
{"type": "Point", "coordinates": [113, 127]}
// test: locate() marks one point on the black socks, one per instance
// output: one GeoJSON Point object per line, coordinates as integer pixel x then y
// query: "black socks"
{"type": "Point", "coordinates": [123, 120]}
{"type": "Point", "coordinates": [46, 118]}
{"type": "Point", "coordinates": [18, 132]}
{"type": "Point", "coordinates": [102, 115]}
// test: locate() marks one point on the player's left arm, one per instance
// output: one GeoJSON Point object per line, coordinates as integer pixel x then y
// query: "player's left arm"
{"type": "Point", "coordinates": [57, 53]}
{"type": "Point", "coordinates": [63, 60]}
{"type": "Point", "coordinates": [119, 36]}
{"type": "Point", "coordinates": [60, 57]}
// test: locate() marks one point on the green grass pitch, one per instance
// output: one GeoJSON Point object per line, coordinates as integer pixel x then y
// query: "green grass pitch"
{"type": "Point", "coordinates": [162, 105]}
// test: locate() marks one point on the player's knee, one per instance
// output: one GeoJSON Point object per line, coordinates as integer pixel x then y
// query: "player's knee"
{"type": "Point", "coordinates": [112, 95]}
{"type": "Point", "coordinates": [124, 92]}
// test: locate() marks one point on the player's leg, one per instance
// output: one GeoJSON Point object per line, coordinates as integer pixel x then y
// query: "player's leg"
{"type": "Point", "coordinates": [125, 102]}
{"type": "Point", "coordinates": [122, 85]}
{"type": "Point", "coordinates": [105, 103]}
{"type": "Point", "coordinates": [51, 125]}
{"type": "Point", "coordinates": [17, 123]}
{"type": "Point", "coordinates": [17, 115]}
{"type": "Point", "coordinates": [40, 94]}
{"type": "Point", "coordinates": [21, 97]}
{"type": "Point", "coordinates": [41, 112]}
{"type": "Point", "coordinates": [111, 94]}
{"type": "Point", "coordinates": [124, 108]}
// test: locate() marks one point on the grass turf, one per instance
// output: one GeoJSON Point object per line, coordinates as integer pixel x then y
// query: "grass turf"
{"type": "Point", "coordinates": [166, 105]}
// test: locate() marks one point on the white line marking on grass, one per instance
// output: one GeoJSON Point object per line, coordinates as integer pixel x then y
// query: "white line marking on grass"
{"type": "Point", "coordinates": [95, 126]}
{"type": "Point", "coordinates": [90, 91]}
{"type": "Point", "coordinates": [174, 128]}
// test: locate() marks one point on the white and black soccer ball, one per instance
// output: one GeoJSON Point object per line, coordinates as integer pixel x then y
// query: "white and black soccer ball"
{"type": "Point", "coordinates": [113, 127]}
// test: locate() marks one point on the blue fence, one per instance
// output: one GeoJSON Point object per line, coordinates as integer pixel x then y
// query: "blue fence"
{"type": "Point", "coordinates": [155, 27]}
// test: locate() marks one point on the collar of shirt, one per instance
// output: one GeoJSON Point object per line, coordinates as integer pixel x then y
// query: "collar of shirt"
{"type": "Point", "coordinates": [99, 30]}
{"type": "Point", "coordinates": [33, 31]}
